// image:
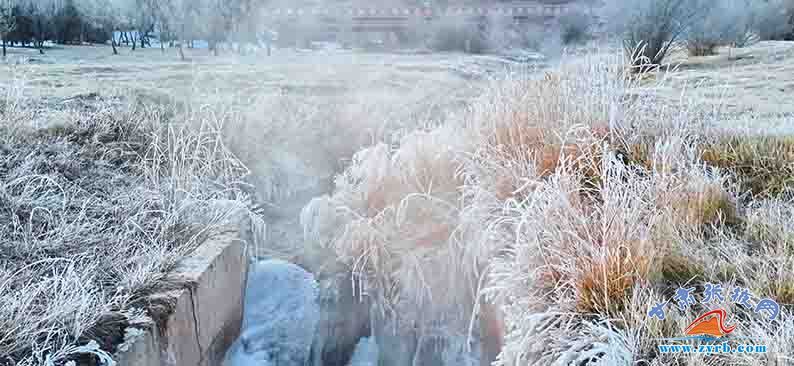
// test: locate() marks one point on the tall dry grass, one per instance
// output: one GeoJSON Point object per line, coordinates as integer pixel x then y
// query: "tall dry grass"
{"type": "Point", "coordinates": [591, 247]}
{"type": "Point", "coordinates": [565, 206]}
{"type": "Point", "coordinates": [100, 198]}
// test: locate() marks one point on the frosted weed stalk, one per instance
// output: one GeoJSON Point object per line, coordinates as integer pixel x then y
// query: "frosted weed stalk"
{"type": "Point", "coordinates": [394, 221]}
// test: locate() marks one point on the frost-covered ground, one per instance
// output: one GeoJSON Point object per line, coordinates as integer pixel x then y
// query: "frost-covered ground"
{"type": "Point", "coordinates": [296, 119]}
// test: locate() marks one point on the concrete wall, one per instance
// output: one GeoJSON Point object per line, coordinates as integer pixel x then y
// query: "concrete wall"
{"type": "Point", "coordinates": [208, 310]}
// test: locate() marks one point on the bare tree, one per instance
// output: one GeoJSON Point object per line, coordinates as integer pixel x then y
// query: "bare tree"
{"type": "Point", "coordinates": [7, 21]}
{"type": "Point", "coordinates": [159, 13]}
{"type": "Point", "coordinates": [737, 23]}
{"type": "Point", "coordinates": [181, 17]}
{"type": "Point", "coordinates": [229, 20]}
{"type": "Point", "coordinates": [725, 24]}
{"type": "Point", "coordinates": [575, 26]}
{"type": "Point", "coordinates": [217, 17]}
{"type": "Point", "coordinates": [775, 19]}
{"type": "Point", "coordinates": [215, 21]}
{"type": "Point", "coordinates": [245, 21]}
{"type": "Point", "coordinates": [140, 18]}
{"type": "Point", "coordinates": [106, 13]}
{"type": "Point", "coordinates": [41, 13]}
{"type": "Point", "coordinates": [745, 17]}
{"type": "Point", "coordinates": [146, 20]}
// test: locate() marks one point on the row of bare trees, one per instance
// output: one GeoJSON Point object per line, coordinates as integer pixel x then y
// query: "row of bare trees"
{"type": "Point", "coordinates": [172, 22]}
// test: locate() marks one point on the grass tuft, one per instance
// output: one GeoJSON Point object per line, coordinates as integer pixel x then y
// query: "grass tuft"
{"type": "Point", "coordinates": [606, 284]}
{"type": "Point", "coordinates": [95, 212]}
{"type": "Point", "coordinates": [678, 270]}
{"type": "Point", "coordinates": [583, 201]}
{"type": "Point", "coordinates": [763, 165]}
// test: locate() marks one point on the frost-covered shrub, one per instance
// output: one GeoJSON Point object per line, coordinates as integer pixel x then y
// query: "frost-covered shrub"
{"type": "Point", "coordinates": [775, 19]}
{"type": "Point", "coordinates": [575, 27]}
{"type": "Point", "coordinates": [650, 29]}
{"type": "Point", "coordinates": [459, 36]}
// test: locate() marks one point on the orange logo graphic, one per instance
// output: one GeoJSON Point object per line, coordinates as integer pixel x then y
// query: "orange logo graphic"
{"type": "Point", "coordinates": [710, 324]}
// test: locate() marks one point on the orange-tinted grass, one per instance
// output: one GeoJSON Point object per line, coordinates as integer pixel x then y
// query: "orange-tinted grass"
{"type": "Point", "coordinates": [605, 284]}
{"type": "Point", "coordinates": [764, 165]}
{"type": "Point", "coordinates": [783, 291]}
{"type": "Point", "coordinates": [521, 143]}
{"type": "Point", "coordinates": [704, 206]}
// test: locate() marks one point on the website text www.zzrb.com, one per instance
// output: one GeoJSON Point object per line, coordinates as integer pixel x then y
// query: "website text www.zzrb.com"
{"type": "Point", "coordinates": [712, 348]}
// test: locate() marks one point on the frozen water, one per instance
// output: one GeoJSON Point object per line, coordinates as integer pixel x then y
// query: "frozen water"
{"type": "Point", "coordinates": [280, 316]}
{"type": "Point", "coordinates": [366, 353]}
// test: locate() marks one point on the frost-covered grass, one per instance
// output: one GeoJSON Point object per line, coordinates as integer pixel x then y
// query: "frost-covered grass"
{"type": "Point", "coordinates": [571, 202]}
{"type": "Point", "coordinates": [284, 106]}
{"type": "Point", "coordinates": [100, 197]}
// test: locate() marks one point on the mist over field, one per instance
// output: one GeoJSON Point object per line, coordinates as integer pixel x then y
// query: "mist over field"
{"type": "Point", "coordinates": [407, 183]}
